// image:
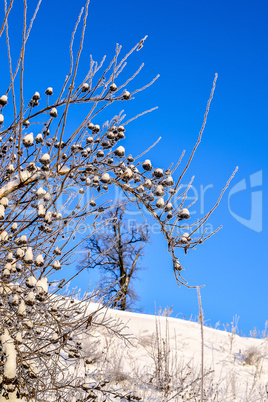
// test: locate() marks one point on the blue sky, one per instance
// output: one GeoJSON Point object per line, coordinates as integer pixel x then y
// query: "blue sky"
{"type": "Point", "coordinates": [188, 42]}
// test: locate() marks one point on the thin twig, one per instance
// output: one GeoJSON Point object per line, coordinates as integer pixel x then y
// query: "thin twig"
{"type": "Point", "coordinates": [201, 131]}
{"type": "Point", "coordinates": [6, 16]}
{"type": "Point", "coordinates": [201, 320]}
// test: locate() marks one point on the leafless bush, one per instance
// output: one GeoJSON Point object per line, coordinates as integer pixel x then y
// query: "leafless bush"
{"type": "Point", "coordinates": [171, 376]}
{"type": "Point", "coordinates": [163, 359]}
{"type": "Point", "coordinates": [45, 172]}
{"type": "Point", "coordinates": [113, 364]}
{"type": "Point", "coordinates": [251, 356]}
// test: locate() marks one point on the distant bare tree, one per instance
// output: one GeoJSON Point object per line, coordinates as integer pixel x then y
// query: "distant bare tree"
{"type": "Point", "coordinates": [116, 252]}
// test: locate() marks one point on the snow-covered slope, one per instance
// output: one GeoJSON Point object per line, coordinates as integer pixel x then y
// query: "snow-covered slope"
{"type": "Point", "coordinates": [162, 359]}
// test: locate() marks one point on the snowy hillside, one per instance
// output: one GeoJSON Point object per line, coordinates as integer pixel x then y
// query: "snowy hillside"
{"type": "Point", "coordinates": [161, 361]}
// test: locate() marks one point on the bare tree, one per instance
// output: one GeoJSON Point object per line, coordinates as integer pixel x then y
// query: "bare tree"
{"type": "Point", "coordinates": [116, 251]}
{"type": "Point", "coordinates": [51, 185]}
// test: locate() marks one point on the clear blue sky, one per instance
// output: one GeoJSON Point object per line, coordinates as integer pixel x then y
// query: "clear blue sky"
{"type": "Point", "coordinates": [188, 42]}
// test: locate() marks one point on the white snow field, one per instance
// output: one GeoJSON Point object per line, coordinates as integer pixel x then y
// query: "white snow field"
{"type": "Point", "coordinates": [162, 360]}
{"type": "Point", "coordinates": [136, 357]}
